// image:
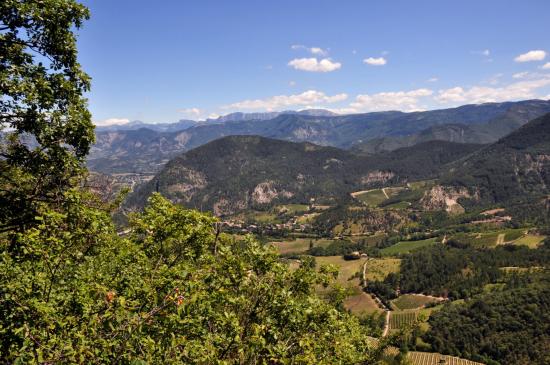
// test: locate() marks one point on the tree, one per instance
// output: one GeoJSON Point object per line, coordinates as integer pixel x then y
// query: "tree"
{"type": "Point", "coordinates": [172, 292]}
{"type": "Point", "coordinates": [45, 126]}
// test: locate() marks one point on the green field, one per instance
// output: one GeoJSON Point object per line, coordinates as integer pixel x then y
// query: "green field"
{"type": "Point", "coordinates": [412, 301]}
{"type": "Point", "coordinates": [420, 185]}
{"type": "Point", "coordinates": [292, 209]}
{"type": "Point", "coordinates": [401, 319]}
{"type": "Point", "coordinates": [307, 218]}
{"type": "Point", "coordinates": [407, 246]}
{"type": "Point", "coordinates": [372, 197]}
{"type": "Point", "coordinates": [347, 268]}
{"type": "Point", "coordinates": [529, 240]}
{"type": "Point", "coordinates": [516, 236]}
{"type": "Point", "coordinates": [262, 217]}
{"type": "Point", "coordinates": [378, 269]}
{"type": "Point", "coordinates": [398, 205]}
{"type": "Point", "coordinates": [298, 245]}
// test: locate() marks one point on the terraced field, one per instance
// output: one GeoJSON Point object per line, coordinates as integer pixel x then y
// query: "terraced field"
{"type": "Point", "coordinates": [432, 358]}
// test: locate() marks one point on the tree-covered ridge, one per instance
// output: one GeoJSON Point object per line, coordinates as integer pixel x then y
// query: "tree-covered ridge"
{"type": "Point", "coordinates": [238, 172]}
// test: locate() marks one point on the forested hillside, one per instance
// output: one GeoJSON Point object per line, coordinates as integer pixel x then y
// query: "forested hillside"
{"type": "Point", "coordinates": [236, 173]}
{"type": "Point", "coordinates": [513, 171]}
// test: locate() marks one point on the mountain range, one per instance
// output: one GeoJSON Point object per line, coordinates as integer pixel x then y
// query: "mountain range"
{"type": "Point", "coordinates": [237, 173]}
{"type": "Point", "coordinates": [145, 150]}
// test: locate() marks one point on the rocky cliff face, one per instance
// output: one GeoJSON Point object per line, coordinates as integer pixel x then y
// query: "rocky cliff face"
{"type": "Point", "coordinates": [445, 198]}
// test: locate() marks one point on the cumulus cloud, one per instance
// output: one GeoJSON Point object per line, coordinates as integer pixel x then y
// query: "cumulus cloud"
{"type": "Point", "coordinates": [280, 102]}
{"type": "Point", "coordinates": [380, 61]}
{"type": "Point", "coordinates": [314, 65]}
{"type": "Point", "coordinates": [536, 55]}
{"type": "Point", "coordinates": [398, 100]}
{"type": "Point", "coordinates": [481, 94]}
{"type": "Point", "coordinates": [112, 121]}
{"type": "Point", "coordinates": [546, 66]}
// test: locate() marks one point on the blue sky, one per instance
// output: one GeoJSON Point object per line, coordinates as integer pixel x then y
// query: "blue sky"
{"type": "Point", "coordinates": [161, 61]}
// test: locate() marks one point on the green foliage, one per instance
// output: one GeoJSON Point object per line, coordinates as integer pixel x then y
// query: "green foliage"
{"type": "Point", "coordinates": [171, 291]}
{"type": "Point", "coordinates": [50, 128]}
{"type": "Point", "coordinates": [510, 327]}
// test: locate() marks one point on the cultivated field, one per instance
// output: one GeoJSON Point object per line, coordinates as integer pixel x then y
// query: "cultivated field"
{"type": "Point", "coordinates": [529, 240]}
{"type": "Point", "coordinates": [407, 246]}
{"type": "Point", "coordinates": [361, 303]}
{"type": "Point", "coordinates": [401, 319]}
{"type": "Point", "coordinates": [412, 301]}
{"type": "Point", "coordinates": [375, 197]}
{"type": "Point", "coordinates": [347, 268]}
{"type": "Point", "coordinates": [517, 236]}
{"type": "Point", "coordinates": [298, 245]}
{"type": "Point", "coordinates": [378, 269]}
{"type": "Point", "coordinates": [432, 358]}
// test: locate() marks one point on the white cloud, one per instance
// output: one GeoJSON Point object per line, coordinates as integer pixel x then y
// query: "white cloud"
{"type": "Point", "coordinates": [433, 79]}
{"type": "Point", "coordinates": [398, 100]}
{"type": "Point", "coordinates": [314, 65]}
{"type": "Point", "coordinates": [520, 75]}
{"type": "Point", "coordinates": [546, 66]}
{"type": "Point", "coordinates": [380, 61]}
{"type": "Point", "coordinates": [536, 55]}
{"type": "Point", "coordinates": [191, 111]}
{"type": "Point", "coordinates": [112, 121]}
{"type": "Point", "coordinates": [280, 102]}
{"type": "Point", "coordinates": [480, 94]}
{"type": "Point", "coordinates": [292, 83]}
{"type": "Point", "coordinates": [318, 51]}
